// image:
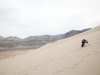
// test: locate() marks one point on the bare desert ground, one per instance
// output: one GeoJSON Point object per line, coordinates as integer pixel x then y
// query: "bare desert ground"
{"type": "Point", "coordinates": [12, 53]}
{"type": "Point", "coordinates": [63, 57]}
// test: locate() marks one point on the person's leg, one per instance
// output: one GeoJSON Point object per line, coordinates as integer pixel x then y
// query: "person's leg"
{"type": "Point", "coordinates": [82, 44]}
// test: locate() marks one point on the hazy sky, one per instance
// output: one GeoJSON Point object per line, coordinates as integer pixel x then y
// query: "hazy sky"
{"type": "Point", "coordinates": [25, 18]}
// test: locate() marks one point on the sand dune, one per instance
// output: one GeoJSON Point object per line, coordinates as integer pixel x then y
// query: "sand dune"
{"type": "Point", "coordinates": [12, 53]}
{"type": "Point", "coordinates": [64, 57]}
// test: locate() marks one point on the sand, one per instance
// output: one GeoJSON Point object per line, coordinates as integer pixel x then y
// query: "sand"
{"type": "Point", "coordinates": [63, 57]}
{"type": "Point", "coordinates": [12, 53]}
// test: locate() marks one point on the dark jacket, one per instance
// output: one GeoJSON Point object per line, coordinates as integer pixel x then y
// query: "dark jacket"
{"type": "Point", "coordinates": [84, 41]}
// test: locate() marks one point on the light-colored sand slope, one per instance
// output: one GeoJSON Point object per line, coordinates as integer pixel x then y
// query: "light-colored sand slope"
{"type": "Point", "coordinates": [64, 57]}
{"type": "Point", "coordinates": [12, 53]}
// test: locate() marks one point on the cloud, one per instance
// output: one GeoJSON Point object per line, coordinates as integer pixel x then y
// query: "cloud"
{"type": "Point", "coordinates": [24, 18]}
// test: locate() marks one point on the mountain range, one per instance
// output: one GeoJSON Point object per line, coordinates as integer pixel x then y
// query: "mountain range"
{"type": "Point", "coordinates": [35, 41]}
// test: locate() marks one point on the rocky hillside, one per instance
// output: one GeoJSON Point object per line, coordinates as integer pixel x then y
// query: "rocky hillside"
{"type": "Point", "coordinates": [35, 41]}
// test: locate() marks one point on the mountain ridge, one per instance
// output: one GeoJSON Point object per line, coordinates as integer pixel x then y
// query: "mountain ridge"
{"type": "Point", "coordinates": [35, 41]}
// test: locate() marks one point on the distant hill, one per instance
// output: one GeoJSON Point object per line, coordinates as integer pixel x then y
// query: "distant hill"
{"type": "Point", "coordinates": [35, 41]}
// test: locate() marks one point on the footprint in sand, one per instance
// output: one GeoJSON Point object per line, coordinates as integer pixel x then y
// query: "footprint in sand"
{"type": "Point", "coordinates": [72, 67]}
{"type": "Point", "coordinates": [27, 74]}
{"type": "Point", "coordinates": [59, 71]}
{"type": "Point", "coordinates": [76, 64]}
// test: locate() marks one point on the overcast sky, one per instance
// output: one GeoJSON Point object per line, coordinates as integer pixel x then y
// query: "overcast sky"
{"type": "Point", "coordinates": [25, 18]}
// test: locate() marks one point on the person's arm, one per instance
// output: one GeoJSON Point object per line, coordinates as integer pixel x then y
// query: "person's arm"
{"type": "Point", "coordinates": [87, 42]}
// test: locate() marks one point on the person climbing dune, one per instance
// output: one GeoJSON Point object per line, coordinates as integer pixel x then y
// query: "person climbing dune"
{"type": "Point", "coordinates": [83, 42]}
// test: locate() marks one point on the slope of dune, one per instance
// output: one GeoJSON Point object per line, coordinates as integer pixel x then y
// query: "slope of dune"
{"type": "Point", "coordinates": [63, 57]}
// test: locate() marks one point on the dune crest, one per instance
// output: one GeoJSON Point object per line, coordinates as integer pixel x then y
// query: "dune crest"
{"type": "Point", "coordinates": [63, 57]}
